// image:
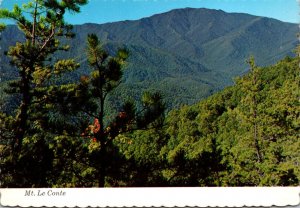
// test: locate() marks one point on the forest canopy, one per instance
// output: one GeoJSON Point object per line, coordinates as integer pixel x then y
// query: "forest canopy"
{"type": "Point", "coordinates": [64, 133]}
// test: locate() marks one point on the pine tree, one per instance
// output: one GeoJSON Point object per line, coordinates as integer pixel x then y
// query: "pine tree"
{"type": "Point", "coordinates": [250, 116]}
{"type": "Point", "coordinates": [259, 133]}
{"type": "Point", "coordinates": [43, 26]}
{"type": "Point", "coordinates": [93, 91]}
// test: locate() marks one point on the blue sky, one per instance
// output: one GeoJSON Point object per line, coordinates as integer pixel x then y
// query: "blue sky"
{"type": "Point", "coordinates": [102, 11]}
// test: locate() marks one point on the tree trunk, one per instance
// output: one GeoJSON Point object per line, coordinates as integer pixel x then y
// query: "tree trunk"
{"type": "Point", "coordinates": [102, 171]}
{"type": "Point", "coordinates": [22, 117]}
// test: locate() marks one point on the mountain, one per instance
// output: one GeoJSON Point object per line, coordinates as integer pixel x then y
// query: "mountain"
{"type": "Point", "coordinates": [187, 54]}
{"type": "Point", "coordinates": [244, 135]}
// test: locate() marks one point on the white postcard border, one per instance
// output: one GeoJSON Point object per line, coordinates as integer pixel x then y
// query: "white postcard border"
{"type": "Point", "coordinates": [152, 197]}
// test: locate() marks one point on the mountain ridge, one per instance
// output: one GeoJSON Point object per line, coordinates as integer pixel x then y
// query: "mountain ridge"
{"type": "Point", "coordinates": [193, 52]}
{"type": "Point", "coordinates": [148, 35]}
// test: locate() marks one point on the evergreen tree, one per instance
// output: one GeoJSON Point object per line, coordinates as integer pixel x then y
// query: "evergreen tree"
{"type": "Point", "coordinates": [250, 117]}
{"type": "Point", "coordinates": [92, 93]}
{"type": "Point", "coordinates": [43, 26]}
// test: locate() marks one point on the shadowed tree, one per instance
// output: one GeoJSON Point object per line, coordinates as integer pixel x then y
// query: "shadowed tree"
{"type": "Point", "coordinates": [43, 27]}
{"type": "Point", "coordinates": [93, 91]}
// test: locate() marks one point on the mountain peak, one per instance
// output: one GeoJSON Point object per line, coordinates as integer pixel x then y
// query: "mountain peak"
{"type": "Point", "coordinates": [196, 47]}
{"type": "Point", "coordinates": [190, 12]}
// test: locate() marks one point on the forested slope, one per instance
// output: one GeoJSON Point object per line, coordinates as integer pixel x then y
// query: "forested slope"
{"type": "Point", "coordinates": [187, 54]}
{"type": "Point", "coordinates": [245, 135]}
{"type": "Point", "coordinates": [58, 129]}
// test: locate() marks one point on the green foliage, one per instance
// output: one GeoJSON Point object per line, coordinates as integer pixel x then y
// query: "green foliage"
{"type": "Point", "coordinates": [2, 27]}
{"type": "Point", "coordinates": [29, 130]}
{"type": "Point", "coordinates": [58, 132]}
{"type": "Point", "coordinates": [144, 163]}
{"type": "Point", "coordinates": [251, 129]}
{"type": "Point", "coordinates": [186, 64]}
{"type": "Point", "coordinates": [94, 90]}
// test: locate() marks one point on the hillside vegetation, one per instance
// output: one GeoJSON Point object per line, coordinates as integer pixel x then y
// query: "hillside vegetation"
{"type": "Point", "coordinates": [186, 54]}
{"type": "Point", "coordinates": [245, 135]}
{"type": "Point", "coordinates": [66, 126]}
{"type": "Point", "coordinates": [250, 130]}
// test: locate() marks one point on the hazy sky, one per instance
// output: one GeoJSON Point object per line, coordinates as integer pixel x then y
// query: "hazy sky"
{"type": "Point", "coordinates": [102, 11]}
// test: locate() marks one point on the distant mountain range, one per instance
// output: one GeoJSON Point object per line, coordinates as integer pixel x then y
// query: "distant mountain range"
{"type": "Point", "coordinates": [187, 54]}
